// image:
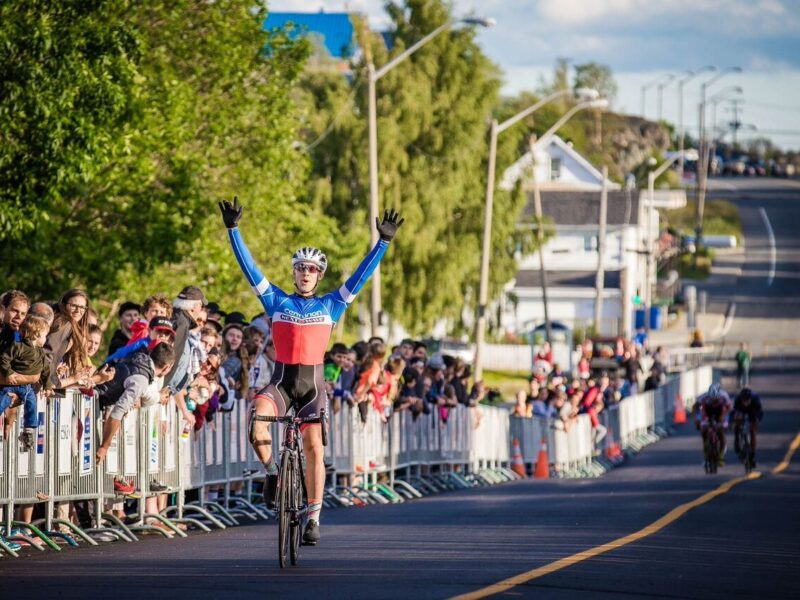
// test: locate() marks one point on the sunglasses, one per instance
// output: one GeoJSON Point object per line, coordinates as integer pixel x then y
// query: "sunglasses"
{"type": "Point", "coordinates": [306, 268]}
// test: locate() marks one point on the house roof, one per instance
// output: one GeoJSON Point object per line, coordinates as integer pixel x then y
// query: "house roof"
{"type": "Point", "coordinates": [532, 278]}
{"type": "Point", "coordinates": [335, 29]}
{"type": "Point", "coordinates": [512, 173]}
{"type": "Point", "coordinates": [583, 208]}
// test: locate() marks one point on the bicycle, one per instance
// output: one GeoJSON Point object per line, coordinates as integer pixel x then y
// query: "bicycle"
{"type": "Point", "coordinates": [746, 454]}
{"type": "Point", "coordinates": [712, 448]}
{"type": "Point", "coordinates": [292, 500]}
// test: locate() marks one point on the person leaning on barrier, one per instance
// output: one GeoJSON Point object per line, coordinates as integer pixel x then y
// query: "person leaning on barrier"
{"type": "Point", "coordinates": [135, 382]}
{"type": "Point", "coordinates": [185, 310]}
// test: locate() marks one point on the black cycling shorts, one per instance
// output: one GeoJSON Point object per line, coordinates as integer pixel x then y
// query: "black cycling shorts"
{"type": "Point", "coordinates": [301, 386]}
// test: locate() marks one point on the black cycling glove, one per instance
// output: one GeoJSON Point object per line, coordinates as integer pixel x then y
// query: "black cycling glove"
{"type": "Point", "coordinates": [231, 213]}
{"type": "Point", "coordinates": [388, 228]}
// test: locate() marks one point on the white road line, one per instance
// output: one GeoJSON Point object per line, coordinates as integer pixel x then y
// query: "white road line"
{"type": "Point", "coordinates": [772, 251]}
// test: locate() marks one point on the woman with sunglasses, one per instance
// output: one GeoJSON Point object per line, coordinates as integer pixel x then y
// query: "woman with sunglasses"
{"type": "Point", "coordinates": [301, 329]}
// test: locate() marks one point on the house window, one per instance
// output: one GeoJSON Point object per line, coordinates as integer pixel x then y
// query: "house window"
{"type": "Point", "coordinates": [555, 169]}
{"type": "Point", "coordinates": [589, 243]}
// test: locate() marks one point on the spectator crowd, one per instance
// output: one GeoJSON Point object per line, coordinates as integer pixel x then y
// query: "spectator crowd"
{"type": "Point", "coordinates": [204, 358]}
{"type": "Point", "coordinates": [563, 396]}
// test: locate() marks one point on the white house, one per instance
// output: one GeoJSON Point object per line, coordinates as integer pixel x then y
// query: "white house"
{"type": "Point", "coordinates": [558, 167]}
{"type": "Point", "coordinates": [570, 259]}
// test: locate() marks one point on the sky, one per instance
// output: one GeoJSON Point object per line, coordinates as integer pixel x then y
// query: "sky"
{"type": "Point", "coordinates": [641, 41]}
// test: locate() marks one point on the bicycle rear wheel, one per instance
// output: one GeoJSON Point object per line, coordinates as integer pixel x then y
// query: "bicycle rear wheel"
{"type": "Point", "coordinates": [746, 454]}
{"type": "Point", "coordinates": [284, 507]}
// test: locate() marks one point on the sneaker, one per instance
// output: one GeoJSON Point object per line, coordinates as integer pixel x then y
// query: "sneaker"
{"type": "Point", "coordinates": [311, 534]}
{"type": "Point", "coordinates": [123, 487]}
{"type": "Point", "coordinates": [12, 545]}
{"type": "Point", "coordinates": [270, 491]}
{"type": "Point", "coordinates": [157, 486]}
{"type": "Point", "coordinates": [27, 438]}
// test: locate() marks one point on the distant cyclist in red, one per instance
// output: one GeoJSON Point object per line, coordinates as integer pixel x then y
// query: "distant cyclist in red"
{"type": "Point", "coordinates": [301, 329]}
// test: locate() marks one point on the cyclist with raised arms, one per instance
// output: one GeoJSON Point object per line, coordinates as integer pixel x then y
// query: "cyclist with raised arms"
{"type": "Point", "coordinates": [301, 328]}
{"type": "Point", "coordinates": [747, 407]}
{"type": "Point", "coordinates": [713, 407]}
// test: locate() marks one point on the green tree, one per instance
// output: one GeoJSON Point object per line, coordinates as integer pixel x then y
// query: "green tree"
{"type": "Point", "coordinates": [129, 122]}
{"type": "Point", "coordinates": [596, 76]}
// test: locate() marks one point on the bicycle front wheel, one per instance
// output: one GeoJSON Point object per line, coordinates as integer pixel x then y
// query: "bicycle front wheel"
{"type": "Point", "coordinates": [285, 486]}
{"type": "Point", "coordinates": [296, 529]}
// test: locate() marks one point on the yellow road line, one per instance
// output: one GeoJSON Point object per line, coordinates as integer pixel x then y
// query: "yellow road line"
{"type": "Point", "coordinates": [785, 462]}
{"type": "Point", "coordinates": [673, 515]}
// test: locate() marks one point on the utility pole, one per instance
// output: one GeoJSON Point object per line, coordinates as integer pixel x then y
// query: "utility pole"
{"type": "Point", "coordinates": [735, 107]}
{"type": "Point", "coordinates": [537, 211]}
{"type": "Point", "coordinates": [601, 250]}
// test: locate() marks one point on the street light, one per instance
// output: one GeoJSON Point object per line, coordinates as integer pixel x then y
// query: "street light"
{"type": "Point", "coordinates": [714, 100]}
{"type": "Point", "coordinates": [702, 162]}
{"type": "Point", "coordinates": [373, 76]}
{"type": "Point", "coordinates": [650, 241]}
{"type": "Point", "coordinates": [661, 87]}
{"type": "Point", "coordinates": [656, 81]}
{"type": "Point", "coordinates": [589, 99]}
{"type": "Point", "coordinates": [690, 75]}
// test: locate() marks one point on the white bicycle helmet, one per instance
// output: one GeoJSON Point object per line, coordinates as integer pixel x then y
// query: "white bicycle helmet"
{"type": "Point", "coordinates": [315, 256]}
{"type": "Point", "coordinates": [714, 390]}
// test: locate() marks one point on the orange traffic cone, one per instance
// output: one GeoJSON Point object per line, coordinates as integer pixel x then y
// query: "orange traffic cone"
{"type": "Point", "coordinates": [613, 450]}
{"type": "Point", "coordinates": [516, 459]}
{"type": "Point", "coordinates": [680, 411]}
{"type": "Point", "coordinates": [542, 463]}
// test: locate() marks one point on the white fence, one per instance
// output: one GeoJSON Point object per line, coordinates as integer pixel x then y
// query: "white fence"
{"type": "Point", "coordinates": [631, 424]}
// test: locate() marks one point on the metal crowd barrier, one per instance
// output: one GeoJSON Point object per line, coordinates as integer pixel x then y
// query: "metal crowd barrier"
{"type": "Point", "coordinates": [630, 424]}
{"type": "Point", "coordinates": [209, 473]}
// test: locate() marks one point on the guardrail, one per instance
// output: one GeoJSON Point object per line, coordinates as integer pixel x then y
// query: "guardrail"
{"type": "Point", "coordinates": [630, 425]}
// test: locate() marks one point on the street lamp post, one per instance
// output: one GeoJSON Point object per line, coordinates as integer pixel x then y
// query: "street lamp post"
{"type": "Point", "coordinates": [681, 132]}
{"type": "Point", "coordinates": [651, 235]}
{"type": "Point", "coordinates": [373, 76]}
{"type": "Point", "coordinates": [666, 81]}
{"type": "Point", "coordinates": [591, 100]}
{"type": "Point", "coordinates": [702, 161]}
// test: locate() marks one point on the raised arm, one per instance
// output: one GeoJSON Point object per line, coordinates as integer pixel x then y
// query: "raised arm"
{"type": "Point", "coordinates": [387, 230]}
{"type": "Point", "coordinates": [231, 213]}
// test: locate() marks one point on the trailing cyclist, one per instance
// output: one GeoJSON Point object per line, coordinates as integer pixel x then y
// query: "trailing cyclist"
{"type": "Point", "coordinates": [747, 406]}
{"type": "Point", "coordinates": [712, 408]}
{"type": "Point", "coordinates": [301, 328]}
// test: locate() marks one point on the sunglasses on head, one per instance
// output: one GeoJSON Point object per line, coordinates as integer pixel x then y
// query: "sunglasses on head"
{"type": "Point", "coordinates": [307, 268]}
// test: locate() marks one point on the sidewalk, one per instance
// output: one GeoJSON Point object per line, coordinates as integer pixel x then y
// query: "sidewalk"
{"type": "Point", "coordinates": [678, 334]}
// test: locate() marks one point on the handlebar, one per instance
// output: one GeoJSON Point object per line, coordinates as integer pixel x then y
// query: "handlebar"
{"type": "Point", "coordinates": [291, 419]}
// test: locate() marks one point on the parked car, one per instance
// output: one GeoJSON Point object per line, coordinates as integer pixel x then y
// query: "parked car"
{"type": "Point", "coordinates": [450, 347]}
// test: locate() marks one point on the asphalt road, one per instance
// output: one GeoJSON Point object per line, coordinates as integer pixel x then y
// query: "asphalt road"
{"type": "Point", "coordinates": [764, 279]}
{"type": "Point", "coordinates": [743, 543]}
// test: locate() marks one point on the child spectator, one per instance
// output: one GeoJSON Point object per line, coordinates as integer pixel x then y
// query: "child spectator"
{"type": "Point", "coordinates": [235, 371]}
{"type": "Point", "coordinates": [93, 340]}
{"type": "Point", "coordinates": [128, 314]}
{"type": "Point", "coordinates": [26, 358]}
{"type": "Point", "coordinates": [159, 330]}
{"type": "Point", "coordinates": [157, 305]}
